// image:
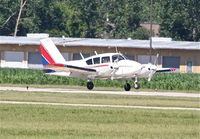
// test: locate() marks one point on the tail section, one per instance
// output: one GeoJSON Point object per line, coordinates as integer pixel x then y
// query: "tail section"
{"type": "Point", "coordinates": [50, 53]}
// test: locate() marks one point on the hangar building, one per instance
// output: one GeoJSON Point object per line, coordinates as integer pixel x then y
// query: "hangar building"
{"type": "Point", "coordinates": [24, 52]}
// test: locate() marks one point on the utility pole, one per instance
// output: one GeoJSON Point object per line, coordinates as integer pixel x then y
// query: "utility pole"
{"type": "Point", "coordinates": [151, 33]}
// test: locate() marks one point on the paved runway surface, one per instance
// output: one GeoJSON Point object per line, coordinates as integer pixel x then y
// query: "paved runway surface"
{"type": "Point", "coordinates": [101, 106]}
{"type": "Point", "coordinates": [170, 94]}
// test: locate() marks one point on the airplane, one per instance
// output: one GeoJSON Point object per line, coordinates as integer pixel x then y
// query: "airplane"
{"type": "Point", "coordinates": [109, 66]}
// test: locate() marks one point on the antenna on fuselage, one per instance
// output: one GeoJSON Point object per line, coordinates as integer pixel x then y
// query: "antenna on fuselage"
{"type": "Point", "coordinates": [95, 52]}
{"type": "Point", "coordinates": [151, 34]}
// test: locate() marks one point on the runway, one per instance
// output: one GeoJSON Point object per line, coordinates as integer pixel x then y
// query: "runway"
{"type": "Point", "coordinates": [101, 106]}
{"type": "Point", "coordinates": [59, 90]}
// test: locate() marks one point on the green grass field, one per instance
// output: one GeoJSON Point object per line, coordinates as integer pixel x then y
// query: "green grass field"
{"type": "Point", "coordinates": [160, 81]}
{"type": "Point", "coordinates": [30, 121]}
{"type": "Point", "coordinates": [43, 121]}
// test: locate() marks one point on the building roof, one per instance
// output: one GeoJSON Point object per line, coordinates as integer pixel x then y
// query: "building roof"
{"type": "Point", "coordinates": [184, 45]}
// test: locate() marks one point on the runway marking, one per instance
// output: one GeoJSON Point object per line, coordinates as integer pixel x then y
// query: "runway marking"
{"type": "Point", "coordinates": [101, 106]}
{"type": "Point", "coordinates": [62, 90]}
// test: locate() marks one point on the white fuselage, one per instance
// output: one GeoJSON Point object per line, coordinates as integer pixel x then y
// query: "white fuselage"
{"type": "Point", "coordinates": [109, 66]}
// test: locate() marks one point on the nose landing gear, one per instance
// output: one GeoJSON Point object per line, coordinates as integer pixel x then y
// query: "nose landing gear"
{"type": "Point", "coordinates": [136, 84]}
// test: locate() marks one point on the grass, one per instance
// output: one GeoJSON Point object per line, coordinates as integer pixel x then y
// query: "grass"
{"type": "Point", "coordinates": [52, 122]}
{"type": "Point", "coordinates": [161, 81]}
{"type": "Point", "coordinates": [38, 121]}
{"type": "Point", "coordinates": [100, 99]}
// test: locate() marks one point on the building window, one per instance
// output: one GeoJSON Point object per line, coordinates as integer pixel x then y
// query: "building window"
{"type": "Point", "coordinates": [34, 58]}
{"type": "Point", "coordinates": [130, 57]}
{"type": "Point", "coordinates": [65, 55]}
{"type": "Point", "coordinates": [77, 56]}
{"type": "Point", "coordinates": [13, 59]}
{"type": "Point", "coordinates": [145, 59]}
{"type": "Point", "coordinates": [171, 62]}
{"type": "Point", "coordinates": [13, 56]}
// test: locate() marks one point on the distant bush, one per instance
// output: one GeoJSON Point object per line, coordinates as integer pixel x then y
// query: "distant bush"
{"type": "Point", "coordinates": [166, 81]}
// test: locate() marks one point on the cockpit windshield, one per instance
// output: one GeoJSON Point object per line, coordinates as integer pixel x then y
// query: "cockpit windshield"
{"type": "Point", "coordinates": [118, 57]}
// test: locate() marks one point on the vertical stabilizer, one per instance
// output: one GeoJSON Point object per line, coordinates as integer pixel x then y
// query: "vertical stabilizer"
{"type": "Point", "coordinates": [50, 53]}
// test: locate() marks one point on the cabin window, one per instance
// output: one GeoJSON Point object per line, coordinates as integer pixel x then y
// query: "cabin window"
{"type": "Point", "coordinates": [89, 62]}
{"type": "Point", "coordinates": [105, 59]}
{"type": "Point", "coordinates": [117, 57]}
{"type": "Point", "coordinates": [96, 60]}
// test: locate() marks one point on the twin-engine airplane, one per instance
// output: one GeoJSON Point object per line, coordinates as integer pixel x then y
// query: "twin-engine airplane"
{"type": "Point", "coordinates": [100, 66]}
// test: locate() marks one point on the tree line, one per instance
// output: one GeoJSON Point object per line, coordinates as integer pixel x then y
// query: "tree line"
{"type": "Point", "coordinates": [179, 19]}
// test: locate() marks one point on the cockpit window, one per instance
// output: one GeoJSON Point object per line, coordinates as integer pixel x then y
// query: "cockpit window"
{"type": "Point", "coordinates": [105, 59]}
{"type": "Point", "coordinates": [89, 61]}
{"type": "Point", "coordinates": [96, 60]}
{"type": "Point", "coordinates": [117, 58]}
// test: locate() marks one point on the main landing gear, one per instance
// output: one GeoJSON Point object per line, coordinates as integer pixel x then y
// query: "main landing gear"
{"type": "Point", "coordinates": [90, 85]}
{"type": "Point", "coordinates": [127, 86]}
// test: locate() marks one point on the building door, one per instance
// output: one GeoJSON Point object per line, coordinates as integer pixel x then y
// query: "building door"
{"type": "Point", "coordinates": [189, 66]}
{"type": "Point", "coordinates": [171, 62]}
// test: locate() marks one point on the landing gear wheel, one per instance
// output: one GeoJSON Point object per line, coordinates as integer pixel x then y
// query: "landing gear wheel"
{"type": "Point", "coordinates": [127, 87]}
{"type": "Point", "coordinates": [90, 85]}
{"type": "Point", "coordinates": [136, 85]}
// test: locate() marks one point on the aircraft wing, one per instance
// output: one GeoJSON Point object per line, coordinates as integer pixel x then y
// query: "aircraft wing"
{"type": "Point", "coordinates": [71, 70]}
{"type": "Point", "coordinates": [165, 69]}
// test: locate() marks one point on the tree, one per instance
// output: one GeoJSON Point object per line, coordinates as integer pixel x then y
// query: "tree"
{"type": "Point", "coordinates": [181, 19]}
{"type": "Point", "coordinates": [22, 4]}
{"type": "Point", "coordinates": [8, 12]}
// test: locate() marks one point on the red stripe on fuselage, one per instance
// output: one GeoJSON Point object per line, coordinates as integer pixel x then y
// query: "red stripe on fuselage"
{"type": "Point", "coordinates": [46, 55]}
{"type": "Point", "coordinates": [55, 65]}
{"type": "Point", "coordinates": [98, 66]}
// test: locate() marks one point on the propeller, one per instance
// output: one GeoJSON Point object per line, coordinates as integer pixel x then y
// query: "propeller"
{"type": "Point", "coordinates": [153, 68]}
{"type": "Point", "coordinates": [115, 68]}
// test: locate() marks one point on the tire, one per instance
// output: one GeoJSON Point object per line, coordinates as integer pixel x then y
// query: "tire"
{"type": "Point", "coordinates": [136, 85]}
{"type": "Point", "coordinates": [90, 85]}
{"type": "Point", "coordinates": [127, 87]}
